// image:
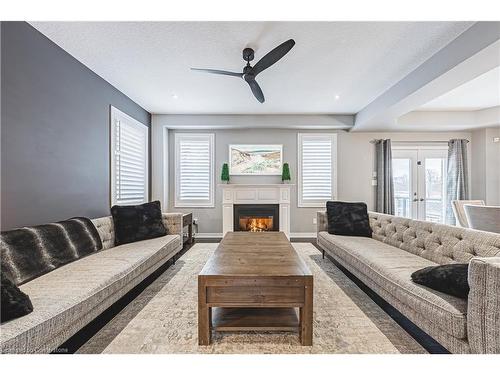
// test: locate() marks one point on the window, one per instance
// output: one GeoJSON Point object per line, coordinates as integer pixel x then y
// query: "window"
{"type": "Point", "coordinates": [129, 159]}
{"type": "Point", "coordinates": [194, 170]}
{"type": "Point", "coordinates": [317, 154]}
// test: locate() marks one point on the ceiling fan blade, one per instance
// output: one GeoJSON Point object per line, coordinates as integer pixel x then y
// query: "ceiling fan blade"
{"type": "Point", "coordinates": [273, 56]}
{"type": "Point", "coordinates": [257, 92]}
{"type": "Point", "coordinates": [215, 71]}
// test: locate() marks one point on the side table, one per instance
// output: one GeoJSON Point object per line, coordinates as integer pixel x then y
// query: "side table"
{"type": "Point", "coordinates": [187, 221]}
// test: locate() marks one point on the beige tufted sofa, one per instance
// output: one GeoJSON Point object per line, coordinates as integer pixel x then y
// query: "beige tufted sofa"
{"type": "Point", "coordinates": [401, 246]}
{"type": "Point", "coordinates": [68, 298]}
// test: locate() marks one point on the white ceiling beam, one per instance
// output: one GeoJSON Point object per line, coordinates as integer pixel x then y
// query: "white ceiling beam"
{"type": "Point", "coordinates": [201, 122]}
{"type": "Point", "coordinates": [449, 120]}
{"type": "Point", "coordinates": [488, 117]}
{"type": "Point", "coordinates": [474, 52]}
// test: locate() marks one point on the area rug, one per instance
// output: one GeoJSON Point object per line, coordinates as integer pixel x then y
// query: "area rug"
{"type": "Point", "coordinates": [165, 321]}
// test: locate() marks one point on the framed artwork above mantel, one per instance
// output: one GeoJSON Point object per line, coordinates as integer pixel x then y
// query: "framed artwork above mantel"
{"type": "Point", "coordinates": [255, 160]}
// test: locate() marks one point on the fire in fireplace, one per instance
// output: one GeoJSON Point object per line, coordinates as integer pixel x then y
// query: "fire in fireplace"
{"type": "Point", "coordinates": [256, 217]}
{"type": "Point", "coordinates": [256, 224]}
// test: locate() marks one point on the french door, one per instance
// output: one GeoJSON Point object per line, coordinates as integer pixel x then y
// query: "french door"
{"type": "Point", "coordinates": [419, 176]}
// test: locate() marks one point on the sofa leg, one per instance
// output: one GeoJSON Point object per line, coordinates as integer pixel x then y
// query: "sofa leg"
{"type": "Point", "coordinates": [323, 254]}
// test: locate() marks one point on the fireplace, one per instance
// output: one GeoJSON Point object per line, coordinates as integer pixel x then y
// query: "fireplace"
{"type": "Point", "coordinates": [256, 217]}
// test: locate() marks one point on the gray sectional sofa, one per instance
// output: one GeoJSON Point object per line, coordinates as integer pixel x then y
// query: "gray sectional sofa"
{"type": "Point", "coordinates": [399, 247]}
{"type": "Point", "coordinates": [68, 298]}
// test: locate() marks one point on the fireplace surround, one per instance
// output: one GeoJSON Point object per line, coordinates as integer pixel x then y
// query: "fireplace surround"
{"type": "Point", "coordinates": [256, 217]}
{"type": "Point", "coordinates": [256, 194]}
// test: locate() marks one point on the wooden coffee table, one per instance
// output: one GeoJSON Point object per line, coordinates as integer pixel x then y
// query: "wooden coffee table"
{"type": "Point", "coordinates": [254, 282]}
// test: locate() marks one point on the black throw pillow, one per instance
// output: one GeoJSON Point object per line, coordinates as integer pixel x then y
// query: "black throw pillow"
{"type": "Point", "coordinates": [137, 223]}
{"type": "Point", "coordinates": [348, 219]}
{"type": "Point", "coordinates": [14, 302]}
{"type": "Point", "coordinates": [449, 278]}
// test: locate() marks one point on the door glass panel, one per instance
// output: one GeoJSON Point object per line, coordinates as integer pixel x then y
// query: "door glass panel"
{"type": "Point", "coordinates": [402, 187]}
{"type": "Point", "coordinates": [435, 189]}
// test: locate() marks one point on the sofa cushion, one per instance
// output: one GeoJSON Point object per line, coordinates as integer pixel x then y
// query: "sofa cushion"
{"type": "Point", "coordinates": [62, 297]}
{"type": "Point", "coordinates": [391, 268]}
{"type": "Point", "coordinates": [348, 219]}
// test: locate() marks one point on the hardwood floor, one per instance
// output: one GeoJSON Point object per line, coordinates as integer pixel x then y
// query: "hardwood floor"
{"type": "Point", "coordinates": [81, 337]}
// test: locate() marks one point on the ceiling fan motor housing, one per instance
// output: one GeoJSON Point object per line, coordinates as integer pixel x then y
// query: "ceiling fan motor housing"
{"type": "Point", "coordinates": [248, 54]}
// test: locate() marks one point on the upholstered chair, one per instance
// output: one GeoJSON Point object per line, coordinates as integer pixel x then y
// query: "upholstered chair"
{"type": "Point", "coordinates": [485, 218]}
{"type": "Point", "coordinates": [458, 210]}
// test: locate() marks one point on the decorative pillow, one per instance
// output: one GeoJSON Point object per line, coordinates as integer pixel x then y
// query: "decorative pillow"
{"type": "Point", "coordinates": [137, 223]}
{"type": "Point", "coordinates": [449, 279]}
{"type": "Point", "coordinates": [348, 219]}
{"type": "Point", "coordinates": [14, 302]}
{"type": "Point", "coordinates": [30, 252]}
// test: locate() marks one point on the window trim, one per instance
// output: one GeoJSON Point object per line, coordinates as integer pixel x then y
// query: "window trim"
{"type": "Point", "coordinates": [300, 138]}
{"type": "Point", "coordinates": [115, 116]}
{"type": "Point", "coordinates": [185, 203]}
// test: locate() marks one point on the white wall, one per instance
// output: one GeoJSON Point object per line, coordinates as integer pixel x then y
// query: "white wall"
{"type": "Point", "coordinates": [485, 177]}
{"type": "Point", "coordinates": [492, 167]}
{"type": "Point", "coordinates": [355, 166]}
{"type": "Point", "coordinates": [356, 160]}
{"type": "Point", "coordinates": [478, 162]}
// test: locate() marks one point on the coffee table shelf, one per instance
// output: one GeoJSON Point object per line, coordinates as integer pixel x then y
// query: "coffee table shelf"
{"type": "Point", "coordinates": [255, 319]}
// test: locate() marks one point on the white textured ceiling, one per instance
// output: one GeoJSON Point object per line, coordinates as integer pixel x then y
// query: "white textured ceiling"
{"type": "Point", "coordinates": [150, 61]}
{"type": "Point", "coordinates": [479, 93]}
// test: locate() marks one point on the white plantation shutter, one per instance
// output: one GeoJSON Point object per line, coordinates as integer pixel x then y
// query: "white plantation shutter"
{"type": "Point", "coordinates": [129, 160]}
{"type": "Point", "coordinates": [194, 163]}
{"type": "Point", "coordinates": [317, 164]}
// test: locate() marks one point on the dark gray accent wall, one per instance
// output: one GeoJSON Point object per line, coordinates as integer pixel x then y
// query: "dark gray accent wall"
{"type": "Point", "coordinates": [54, 131]}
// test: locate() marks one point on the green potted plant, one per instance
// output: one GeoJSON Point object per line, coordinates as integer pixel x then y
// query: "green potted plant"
{"type": "Point", "coordinates": [285, 175]}
{"type": "Point", "coordinates": [225, 173]}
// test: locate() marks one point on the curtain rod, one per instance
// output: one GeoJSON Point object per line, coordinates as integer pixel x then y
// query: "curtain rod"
{"type": "Point", "coordinates": [374, 140]}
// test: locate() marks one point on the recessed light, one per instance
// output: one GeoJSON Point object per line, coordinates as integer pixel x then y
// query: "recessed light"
{"type": "Point", "coordinates": [175, 96]}
{"type": "Point", "coordinates": [337, 97]}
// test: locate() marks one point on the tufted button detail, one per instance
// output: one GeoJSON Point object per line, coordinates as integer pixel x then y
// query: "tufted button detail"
{"type": "Point", "coordinates": [442, 245]}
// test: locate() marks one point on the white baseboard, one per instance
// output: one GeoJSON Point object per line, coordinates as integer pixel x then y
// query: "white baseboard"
{"type": "Point", "coordinates": [208, 235]}
{"type": "Point", "coordinates": [303, 235]}
{"type": "Point", "coordinates": [292, 235]}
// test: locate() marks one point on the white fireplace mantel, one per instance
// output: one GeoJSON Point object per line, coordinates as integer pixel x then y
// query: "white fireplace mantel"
{"type": "Point", "coordinates": [255, 194]}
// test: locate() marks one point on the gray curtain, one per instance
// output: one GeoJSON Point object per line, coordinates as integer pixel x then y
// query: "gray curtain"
{"type": "Point", "coordinates": [385, 189]}
{"type": "Point", "coordinates": [457, 187]}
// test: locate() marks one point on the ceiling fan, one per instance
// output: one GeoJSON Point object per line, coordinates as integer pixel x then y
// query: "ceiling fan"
{"type": "Point", "coordinates": [250, 72]}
